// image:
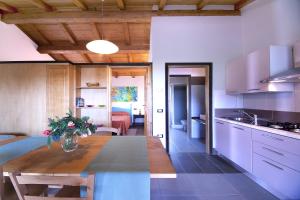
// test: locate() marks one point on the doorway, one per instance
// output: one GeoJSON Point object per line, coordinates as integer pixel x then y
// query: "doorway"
{"type": "Point", "coordinates": [188, 107]}
{"type": "Point", "coordinates": [131, 99]}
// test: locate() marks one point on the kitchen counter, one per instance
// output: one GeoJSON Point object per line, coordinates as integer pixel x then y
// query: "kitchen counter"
{"type": "Point", "coordinates": [270, 130]}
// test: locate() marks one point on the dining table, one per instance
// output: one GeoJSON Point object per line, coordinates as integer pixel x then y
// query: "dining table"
{"type": "Point", "coordinates": [108, 157]}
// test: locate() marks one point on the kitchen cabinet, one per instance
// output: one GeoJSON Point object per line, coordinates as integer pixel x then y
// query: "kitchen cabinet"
{"type": "Point", "coordinates": [297, 54]}
{"type": "Point", "coordinates": [222, 137]}
{"type": "Point", "coordinates": [240, 146]}
{"type": "Point", "coordinates": [263, 63]}
{"type": "Point", "coordinates": [277, 175]}
{"type": "Point", "coordinates": [235, 76]}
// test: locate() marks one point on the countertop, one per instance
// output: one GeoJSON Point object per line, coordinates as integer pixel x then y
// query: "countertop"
{"type": "Point", "coordinates": [270, 130]}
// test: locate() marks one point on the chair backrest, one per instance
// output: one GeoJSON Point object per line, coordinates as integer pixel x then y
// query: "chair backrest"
{"type": "Point", "coordinates": [109, 129]}
{"type": "Point", "coordinates": [20, 181]}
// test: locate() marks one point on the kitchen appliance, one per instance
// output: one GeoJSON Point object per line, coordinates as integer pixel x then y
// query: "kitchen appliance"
{"type": "Point", "coordinates": [291, 75]}
{"type": "Point", "coordinates": [286, 126]}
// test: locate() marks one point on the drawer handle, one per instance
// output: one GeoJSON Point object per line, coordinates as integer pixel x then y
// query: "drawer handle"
{"type": "Point", "coordinates": [274, 138]}
{"type": "Point", "coordinates": [238, 128]}
{"type": "Point", "coordinates": [273, 165]}
{"type": "Point", "coordinates": [219, 123]}
{"type": "Point", "coordinates": [271, 150]}
{"type": "Point", "coordinates": [254, 89]}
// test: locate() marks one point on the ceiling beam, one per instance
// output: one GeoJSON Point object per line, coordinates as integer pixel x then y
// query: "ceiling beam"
{"type": "Point", "coordinates": [241, 4]}
{"type": "Point", "coordinates": [121, 4]}
{"type": "Point", "coordinates": [109, 17]}
{"type": "Point", "coordinates": [7, 8]}
{"type": "Point", "coordinates": [86, 58]}
{"type": "Point", "coordinates": [42, 5]}
{"type": "Point", "coordinates": [162, 4]}
{"type": "Point", "coordinates": [69, 33]}
{"type": "Point", "coordinates": [80, 48]}
{"type": "Point", "coordinates": [202, 4]}
{"type": "Point", "coordinates": [126, 33]}
{"type": "Point", "coordinates": [80, 4]}
{"type": "Point", "coordinates": [96, 31]}
{"type": "Point", "coordinates": [35, 34]}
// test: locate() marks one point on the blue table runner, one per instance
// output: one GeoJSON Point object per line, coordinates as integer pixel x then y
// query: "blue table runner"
{"type": "Point", "coordinates": [121, 170]}
{"type": "Point", "coordinates": [18, 148]}
{"type": "Point", "coordinates": [6, 137]}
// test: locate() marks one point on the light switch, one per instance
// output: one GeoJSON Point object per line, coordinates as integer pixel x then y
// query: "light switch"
{"type": "Point", "coordinates": [160, 110]}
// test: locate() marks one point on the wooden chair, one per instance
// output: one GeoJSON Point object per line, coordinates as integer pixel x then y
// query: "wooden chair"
{"type": "Point", "coordinates": [22, 184]}
{"type": "Point", "coordinates": [108, 129]}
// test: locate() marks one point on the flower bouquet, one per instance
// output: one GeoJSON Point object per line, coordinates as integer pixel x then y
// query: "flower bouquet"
{"type": "Point", "coordinates": [67, 129]}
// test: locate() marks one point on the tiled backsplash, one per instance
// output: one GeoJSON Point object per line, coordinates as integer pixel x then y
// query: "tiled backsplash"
{"type": "Point", "coordinates": [276, 116]}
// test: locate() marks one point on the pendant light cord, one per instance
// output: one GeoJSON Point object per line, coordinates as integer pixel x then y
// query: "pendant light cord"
{"type": "Point", "coordinates": [102, 15]}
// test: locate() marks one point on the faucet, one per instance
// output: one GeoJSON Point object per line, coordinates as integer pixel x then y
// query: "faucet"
{"type": "Point", "coordinates": [254, 117]}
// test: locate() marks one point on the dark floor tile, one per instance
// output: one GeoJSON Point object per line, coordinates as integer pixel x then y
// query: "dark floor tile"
{"type": "Point", "coordinates": [187, 163]}
{"type": "Point", "coordinates": [248, 188]}
{"type": "Point", "coordinates": [176, 163]}
{"type": "Point", "coordinates": [210, 184]}
{"type": "Point", "coordinates": [204, 163]}
{"type": "Point", "coordinates": [223, 165]}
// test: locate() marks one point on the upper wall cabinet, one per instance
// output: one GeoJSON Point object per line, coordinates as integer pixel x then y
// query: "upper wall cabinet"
{"type": "Point", "coordinates": [244, 75]}
{"type": "Point", "coordinates": [263, 63]}
{"type": "Point", "coordinates": [235, 76]}
{"type": "Point", "coordinates": [297, 54]}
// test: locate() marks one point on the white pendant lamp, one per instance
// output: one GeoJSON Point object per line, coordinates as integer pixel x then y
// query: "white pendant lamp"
{"type": "Point", "coordinates": [102, 46]}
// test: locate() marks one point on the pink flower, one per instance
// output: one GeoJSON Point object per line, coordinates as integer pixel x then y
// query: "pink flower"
{"type": "Point", "coordinates": [71, 124]}
{"type": "Point", "coordinates": [47, 132]}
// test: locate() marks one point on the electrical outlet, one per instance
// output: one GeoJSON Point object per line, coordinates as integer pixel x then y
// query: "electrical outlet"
{"type": "Point", "coordinates": [160, 135]}
{"type": "Point", "coordinates": [160, 110]}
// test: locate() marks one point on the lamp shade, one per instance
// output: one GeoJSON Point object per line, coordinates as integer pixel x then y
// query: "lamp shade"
{"type": "Point", "coordinates": [102, 47]}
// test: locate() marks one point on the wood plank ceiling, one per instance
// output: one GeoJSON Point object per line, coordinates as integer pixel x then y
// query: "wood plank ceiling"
{"type": "Point", "coordinates": [62, 28]}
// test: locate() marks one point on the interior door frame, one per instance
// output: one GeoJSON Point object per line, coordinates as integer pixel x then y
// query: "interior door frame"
{"type": "Point", "coordinates": [208, 99]}
{"type": "Point", "coordinates": [148, 116]}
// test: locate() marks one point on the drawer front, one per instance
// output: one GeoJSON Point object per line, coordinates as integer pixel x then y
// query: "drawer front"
{"type": "Point", "coordinates": [281, 142]}
{"type": "Point", "coordinates": [277, 155]}
{"type": "Point", "coordinates": [279, 177]}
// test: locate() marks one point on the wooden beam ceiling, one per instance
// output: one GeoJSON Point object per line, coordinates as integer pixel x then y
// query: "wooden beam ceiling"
{"type": "Point", "coordinates": [69, 33]}
{"type": "Point", "coordinates": [241, 4]}
{"type": "Point", "coordinates": [42, 5]}
{"type": "Point", "coordinates": [126, 33]}
{"type": "Point", "coordinates": [162, 4]}
{"type": "Point", "coordinates": [7, 8]}
{"type": "Point", "coordinates": [121, 4]}
{"type": "Point", "coordinates": [202, 3]}
{"type": "Point", "coordinates": [109, 17]}
{"type": "Point", "coordinates": [80, 4]}
{"type": "Point", "coordinates": [81, 48]}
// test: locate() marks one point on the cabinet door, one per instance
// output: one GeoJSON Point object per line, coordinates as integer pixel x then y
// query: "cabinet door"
{"type": "Point", "coordinates": [221, 137]}
{"type": "Point", "coordinates": [60, 90]}
{"type": "Point", "coordinates": [257, 69]}
{"type": "Point", "coordinates": [240, 148]}
{"type": "Point", "coordinates": [278, 176]}
{"type": "Point", "coordinates": [236, 76]}
{"type": "Point", "coordinates": [297, 54]}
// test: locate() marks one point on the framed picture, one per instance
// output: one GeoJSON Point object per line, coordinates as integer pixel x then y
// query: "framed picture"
{"type": "Point", "coordinates": [125, 94]}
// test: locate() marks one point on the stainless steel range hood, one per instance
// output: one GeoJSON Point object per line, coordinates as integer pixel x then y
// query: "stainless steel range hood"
{"type": "Point", "coordinates": [290, 76]}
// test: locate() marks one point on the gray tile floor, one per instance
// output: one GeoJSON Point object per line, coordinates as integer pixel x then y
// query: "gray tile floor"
{"type": "Point", "coordinates": [204, 177]}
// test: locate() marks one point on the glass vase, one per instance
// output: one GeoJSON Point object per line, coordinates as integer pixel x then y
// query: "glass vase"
{"type": "Point", "coordinates": [69, 142]}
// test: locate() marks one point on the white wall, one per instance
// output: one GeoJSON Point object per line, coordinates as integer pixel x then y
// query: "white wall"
{"type": "Point", "coordinates": [16, 46]}
{"type": "Point", "coordinates": [267, 22]}
{"type": "Point", "coordinates": [138, 81]}
{"type": "Point", "coordinates": [193, 39]}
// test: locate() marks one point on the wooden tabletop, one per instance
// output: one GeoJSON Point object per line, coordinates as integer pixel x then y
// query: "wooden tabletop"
{"type": "Point", "coordinates": [56, 162]}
